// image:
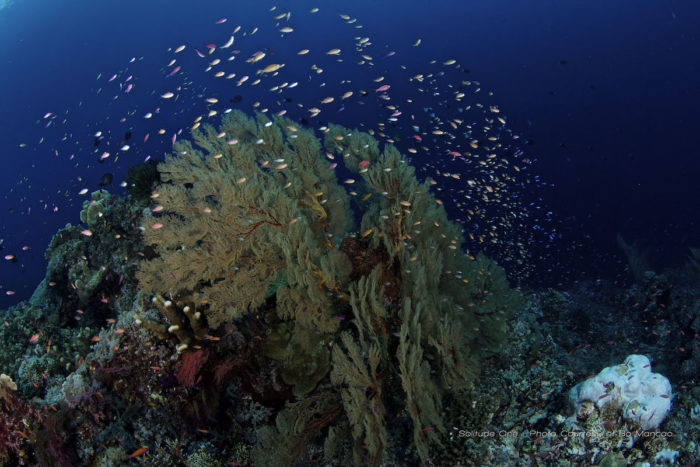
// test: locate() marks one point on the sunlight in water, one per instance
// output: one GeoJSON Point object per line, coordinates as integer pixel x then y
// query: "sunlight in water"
{"type": "Point", "coordinates": [5, 3]}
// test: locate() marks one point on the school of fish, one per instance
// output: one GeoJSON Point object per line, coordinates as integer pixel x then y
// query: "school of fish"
{"type": "Point", "coordinates": [447, 125]}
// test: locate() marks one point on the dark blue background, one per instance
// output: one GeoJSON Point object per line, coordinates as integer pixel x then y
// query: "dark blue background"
{"type": "Point", "coordinates": [614, 127]}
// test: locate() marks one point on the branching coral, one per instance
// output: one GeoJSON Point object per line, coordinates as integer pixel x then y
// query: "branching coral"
{"type": "Point", "coordinates": [185, 322]}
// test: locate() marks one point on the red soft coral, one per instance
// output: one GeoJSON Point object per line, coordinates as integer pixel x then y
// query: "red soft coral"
{"type": "Point", "coordinates": [192, 363]}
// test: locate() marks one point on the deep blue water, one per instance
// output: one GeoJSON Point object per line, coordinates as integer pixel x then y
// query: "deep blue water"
{"type": "Point", "coordinates": [604, 94]}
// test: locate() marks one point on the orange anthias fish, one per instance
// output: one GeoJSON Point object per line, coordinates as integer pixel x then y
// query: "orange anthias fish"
{"type": "Point", "coordinates": [139, 452]}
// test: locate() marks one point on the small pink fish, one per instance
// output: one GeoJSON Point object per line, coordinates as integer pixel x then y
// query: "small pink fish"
{"type": "Point", "coordinates": [86, 232]}
{"type": "Point", "coordinates": [129, 87]}
{"type": "Point", "coordinates": [201, 55]}
{"type": "Point", "coordinates": [114, 76]}
{"type": "Point", "coordinates": [175, 70]}
{"type": "Point", "coordinates": [174, 138]}
{"type": "Point", "coordinates": [157, 225]}
{"type": "Point", "coordinates": [210, 46]}
{"type": "Point", "coordinates": [417, 138]}
{"type": "Point", "coordinates": [363, 163]}
{"type": "Point", "coordinates": [382, 88]}
{"type": "Point", "coordinates": [332, 166]}
{"type": "Point", "coordinates": [221, 20]}
{"type": "Point", "coordinates": [389, 54]}
{"type": "Point", "coordinates": [455, 154]}
{"type": "Point", "coordinates": [145, 138]}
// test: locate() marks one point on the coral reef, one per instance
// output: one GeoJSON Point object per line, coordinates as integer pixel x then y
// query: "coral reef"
{"type": "Point", "coordinates": [256, 218]}
{"type": "Point", "coordinates": [286, 313]}
{"type": "Point", "coordinates": [18, 419]}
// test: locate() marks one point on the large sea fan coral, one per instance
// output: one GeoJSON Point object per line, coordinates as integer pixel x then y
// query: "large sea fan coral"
{"type": "Point", "coordinates": [255, 217]}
